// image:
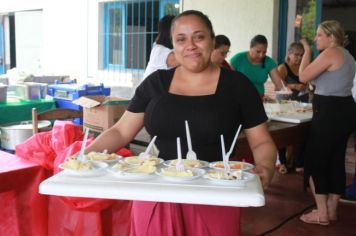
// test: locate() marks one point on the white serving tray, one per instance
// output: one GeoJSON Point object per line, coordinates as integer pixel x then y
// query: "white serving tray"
{"type": "Point", "coordinates": [155, 188]}
{"type": "Point", "coordinates": [293, 117]}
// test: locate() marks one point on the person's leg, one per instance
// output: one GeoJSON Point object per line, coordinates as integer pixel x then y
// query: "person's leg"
{"type": "Point", "coordinates": [320, 215]}
{"type": "Point", "coordinates": [282, 160]}
{"type": "Point", "coordinates": [332, 204]}
{"type": "Point", "coordinates": [298, 161]}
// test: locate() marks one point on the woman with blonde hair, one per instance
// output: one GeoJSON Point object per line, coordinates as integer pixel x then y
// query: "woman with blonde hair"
{"type": "Point", "coordinates": [334, 116]}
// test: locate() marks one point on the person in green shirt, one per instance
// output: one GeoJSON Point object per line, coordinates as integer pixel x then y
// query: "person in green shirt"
{"type": "Point", "coordinates": [256, 66]}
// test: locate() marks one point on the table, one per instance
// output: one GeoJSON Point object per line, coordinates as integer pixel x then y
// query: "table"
{"type": "Point", "coordinates": [283, 134]}
{"type": "Point", "coordinates": [15, 110]}
{"type": "Point", "coordinates": [155, 189]}
{"type": "Point", "coordinates": [23, 209]}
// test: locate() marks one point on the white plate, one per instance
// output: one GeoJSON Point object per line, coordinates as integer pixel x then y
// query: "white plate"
{"type": "Point", "coordinates": [137, 160]}
{"type": "Point", "coordinates": [246, 176]}
{"type": "Point", "coordinates": [219, 165]}
{"type": "Point", "coordinates": [197, 174]}
{"type": "Point", "coordinates": [123, 174]}
{"type": "Point", "coordinates": [202, 164]}
{"type": "Point", "coordinates": [112, 161]}
{"type": "Point", "coordinates": [99, 169]}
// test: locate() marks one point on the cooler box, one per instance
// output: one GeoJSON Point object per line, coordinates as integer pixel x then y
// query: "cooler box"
{"type": "Point", "coordinates": [64, 94]}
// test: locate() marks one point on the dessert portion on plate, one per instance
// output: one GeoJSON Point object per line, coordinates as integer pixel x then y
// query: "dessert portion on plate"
{"type": "Point", "coordinates": [120, 166]}
{"type": "Point", "coordinates": [172, 171]}
{"type": "Point", "coordinates": [234, 165]}
{"type": "Point", "coordinates": [76, 167]}
{"type": "Point", "coordinates": [218, 174]}
{"type": "Point", "coordinates": [102, 156]}
{"type": "Point", "coordinates": [74, 164]}
{"type": "Point", "coordinates": [145, 169]}
{"type": "Point", "coordinates": [136, 160]}
{"type": "Point", "coordinates": [135, 167]}
{"type": "Point", "coordinates": [188, 163]}
{"type": "Point", "coordinates": [172, 174]}
{"type": "Point", "coordinates": [237, 178]}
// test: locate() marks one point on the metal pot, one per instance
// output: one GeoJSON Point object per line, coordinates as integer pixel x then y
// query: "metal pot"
{"type": "Point", "coordinates": [17, 132]}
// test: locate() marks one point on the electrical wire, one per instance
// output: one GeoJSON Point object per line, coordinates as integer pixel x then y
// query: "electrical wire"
{"type": "Point", "coordinates": [286, 220]}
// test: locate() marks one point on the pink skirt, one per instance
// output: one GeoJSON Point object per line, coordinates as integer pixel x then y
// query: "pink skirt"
{"type": "Point", "coordinates": [172, 219]}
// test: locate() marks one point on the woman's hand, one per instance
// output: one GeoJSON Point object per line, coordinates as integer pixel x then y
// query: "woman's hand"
{"type": "Point", "coordinates": [265, 173]}
{"type": "Point", "coordinates": [305, 43]}
{"type": "Point", "coordinates": [264, 152]}
{"type": "Point", "coordinates": [300, 87]}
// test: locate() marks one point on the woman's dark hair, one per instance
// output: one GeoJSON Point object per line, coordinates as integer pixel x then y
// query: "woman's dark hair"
{"type": "Point", "coordinates": [259, 39]}
{"type": "Point", "coordinates": [199, 14]}
{"type": "Point", "coordinates": [164, 31]}
{"type": "Point", "coordinates": [221, 40]}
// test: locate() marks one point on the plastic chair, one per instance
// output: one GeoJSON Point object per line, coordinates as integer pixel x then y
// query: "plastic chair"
{"type": "Point", "coordinates": [54, 114]}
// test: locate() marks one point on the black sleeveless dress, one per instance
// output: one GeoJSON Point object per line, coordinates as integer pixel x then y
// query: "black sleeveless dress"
{"type": "Point", "coordinates": [292, 78]}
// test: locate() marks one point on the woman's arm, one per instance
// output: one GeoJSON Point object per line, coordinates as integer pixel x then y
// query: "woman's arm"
{"type": "Point", "coordinates": [330, 59]}
{"type": "Point", "coordinates": [282, 71]}
{"type": "Point", "coordinates": [264, 152]}
{"type": "Point", "coordinates": [276, 79]}
{"type": "Point", "coordinates": [119, 135]}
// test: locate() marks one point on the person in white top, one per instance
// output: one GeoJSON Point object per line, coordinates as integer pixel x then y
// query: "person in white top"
{"type": "Point", "coordinates": [162, 55]}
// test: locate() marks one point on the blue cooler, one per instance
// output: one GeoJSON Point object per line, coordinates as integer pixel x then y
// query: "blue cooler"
{"type": "Point", "coordinates": [64, 94]}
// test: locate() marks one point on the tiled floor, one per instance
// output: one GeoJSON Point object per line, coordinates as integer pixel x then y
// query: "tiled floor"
{"type": "Point", "coordinates": [285, 202]}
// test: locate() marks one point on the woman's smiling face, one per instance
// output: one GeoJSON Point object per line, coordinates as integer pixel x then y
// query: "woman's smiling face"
{"type": "Point", "coordinates": [192, 43]}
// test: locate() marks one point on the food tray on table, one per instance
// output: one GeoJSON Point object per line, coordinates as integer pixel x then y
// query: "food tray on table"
{"type": "Point", "coordinates": [289, 111]}
{"type": "Point", "coordinates": [155, 188]}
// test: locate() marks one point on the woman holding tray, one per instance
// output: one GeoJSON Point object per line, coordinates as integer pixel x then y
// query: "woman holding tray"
{"type": "Point", "coordinates": [215, 101]}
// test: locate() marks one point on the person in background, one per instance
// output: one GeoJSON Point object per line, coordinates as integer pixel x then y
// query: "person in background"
{"type": "Point", "coordinates": [221, 49]}
{"type": "Point", "coordinates": [162, 55]}
{"type": "Point", "coordinates": [256, 65]}
{"type": "Point", "coordinates": [350, 193]}
{"type": "Point", "coordinates": [165, 99]}
{"type": "Point", "coordinates": [289, 71]}
{"type": "Point", "coordinates": [334, 115]}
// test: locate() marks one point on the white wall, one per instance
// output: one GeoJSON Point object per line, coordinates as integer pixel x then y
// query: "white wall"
{"type": "Point", "coordinates": [71, 32]}
{"type": "Point", "coordinates": [240, 20]}
{"type": "Point", "coordinates": [29, 40]}
{"type": "Point", "coordinates": [65, 38]}
{"type": "Point", "coordinates": [8, 6]}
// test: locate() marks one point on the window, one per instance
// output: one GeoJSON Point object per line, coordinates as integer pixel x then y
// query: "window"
{"type": "Point", "coordinates": [309, 11]}
{"type": "Point", "coordinates": [130, 28]}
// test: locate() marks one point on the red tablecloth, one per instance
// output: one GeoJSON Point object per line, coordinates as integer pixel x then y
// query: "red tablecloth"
{"type": "Point", "coordinates": [23, 209]}
{"type": "Point", "coordinates": [26, 212]}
